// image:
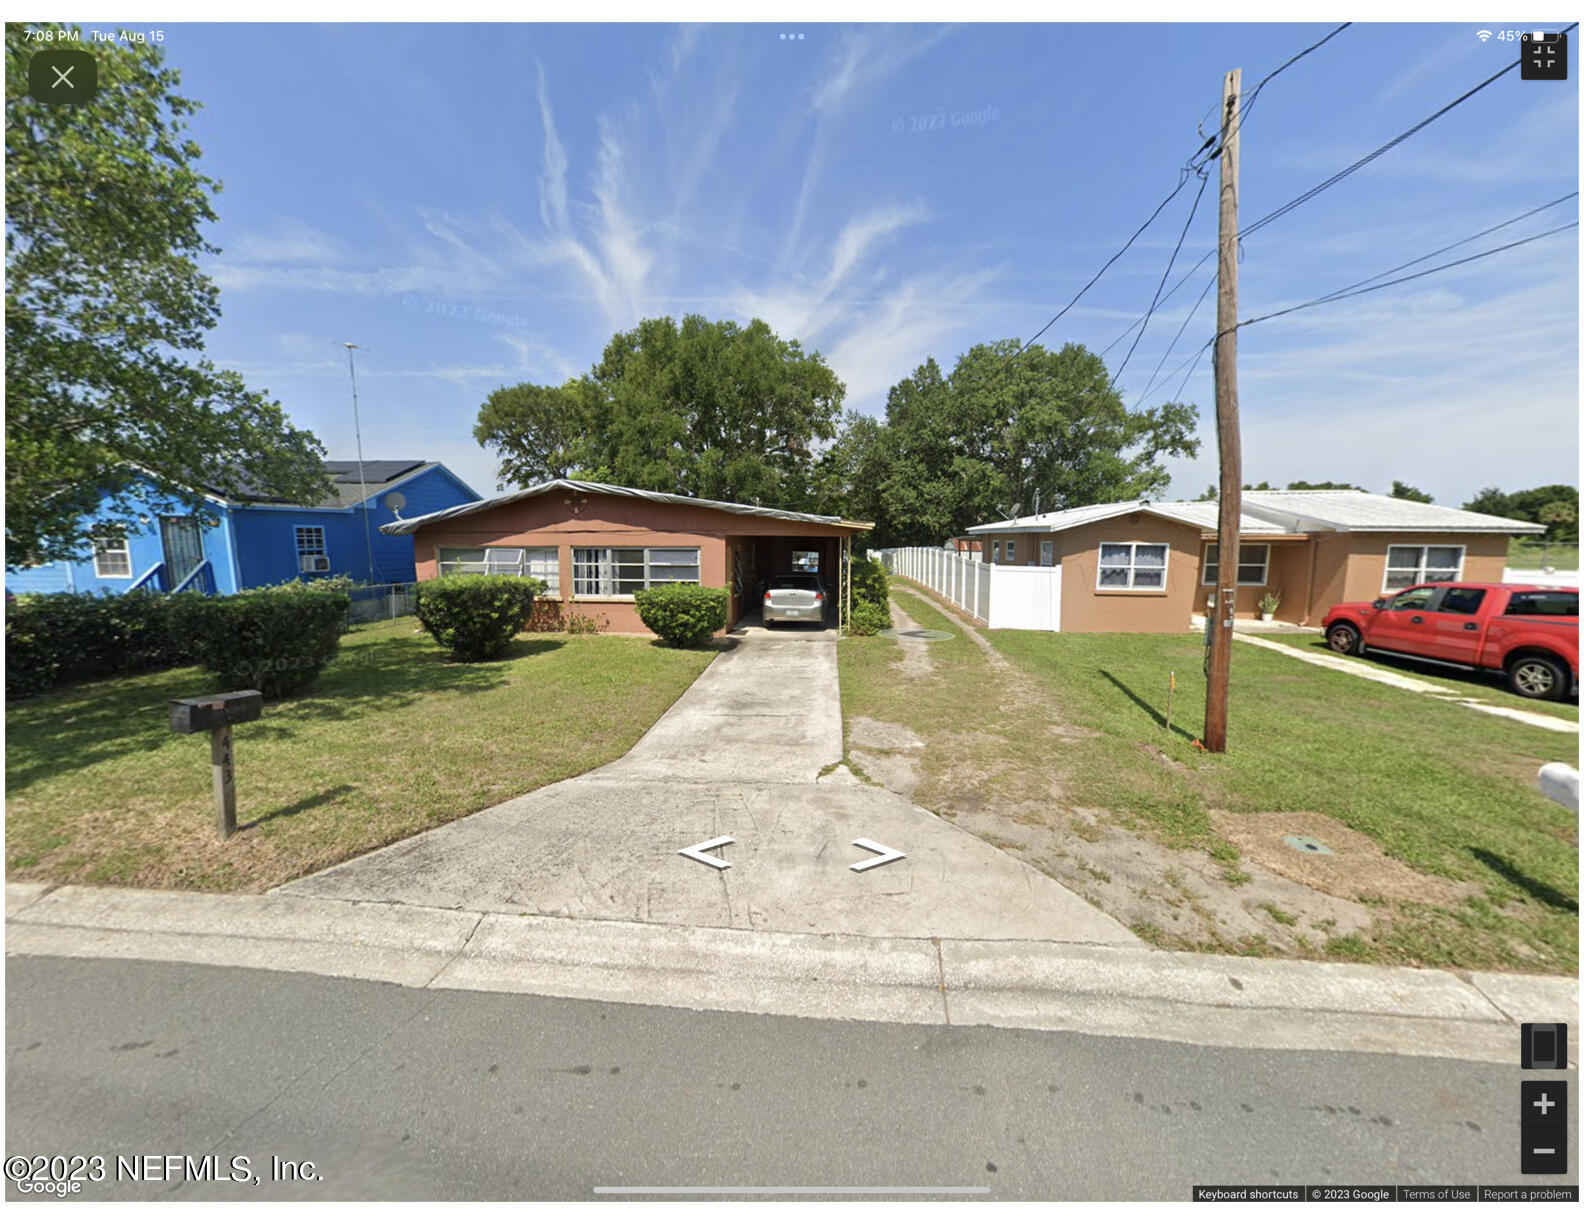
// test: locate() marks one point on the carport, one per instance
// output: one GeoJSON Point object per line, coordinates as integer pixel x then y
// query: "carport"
{"type": "Point", "coordinates": [596, 545]}
{"type": "Point", "coordinates": [755, 560]}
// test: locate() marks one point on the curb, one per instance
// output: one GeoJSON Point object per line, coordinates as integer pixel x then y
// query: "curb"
{"type": "Point", "coordinates": [1081, 988]}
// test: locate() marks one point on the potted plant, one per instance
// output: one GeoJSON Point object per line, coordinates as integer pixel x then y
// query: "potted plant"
{"type": "Point", "coordinates": [1268, 604]}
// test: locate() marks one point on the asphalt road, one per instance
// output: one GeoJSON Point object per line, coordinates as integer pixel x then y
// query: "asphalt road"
{"type": "Point", "coordinates": [394, 1092]}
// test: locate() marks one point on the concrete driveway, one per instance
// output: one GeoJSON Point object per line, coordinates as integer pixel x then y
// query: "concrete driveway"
{"type": "Point", "coordinates": [743, 754]}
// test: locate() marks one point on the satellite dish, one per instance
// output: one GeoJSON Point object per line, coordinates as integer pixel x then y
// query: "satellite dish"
{"type": "Point", "coordinates": [1016, 506]}
{"type": "Point", "coordinates": [394, 503]}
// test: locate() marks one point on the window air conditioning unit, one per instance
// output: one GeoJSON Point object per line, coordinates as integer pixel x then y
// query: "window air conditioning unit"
{"type": "Point", "coordinates": [314, 564]}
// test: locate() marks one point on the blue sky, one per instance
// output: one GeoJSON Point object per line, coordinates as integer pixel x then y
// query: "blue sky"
{"type": "Point", "coordinates": [479, 205]}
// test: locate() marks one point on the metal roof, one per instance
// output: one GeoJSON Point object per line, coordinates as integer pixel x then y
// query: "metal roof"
{"type": "Point", "coordinates": [408, 526]}
{"type": "Point", "coordinates": [1196, 514]}
{"type": "Point", "coordinates": [1355, 510]}
{"type": "Point", "coordinates": [1284, 512]}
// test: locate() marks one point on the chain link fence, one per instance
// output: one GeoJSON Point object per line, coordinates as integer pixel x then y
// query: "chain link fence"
{"type": "Point", "coordinates": [382, 601]}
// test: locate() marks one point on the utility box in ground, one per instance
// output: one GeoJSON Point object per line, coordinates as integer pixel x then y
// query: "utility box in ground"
{"type": "Point", "coordinates": [188, 714]}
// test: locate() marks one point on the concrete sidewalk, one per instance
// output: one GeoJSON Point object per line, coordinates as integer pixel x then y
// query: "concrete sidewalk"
{"type": "Point", "coordinates": [747, 753]}
{"type": "Point", "coordinates": [1117, 991]}
{"type": "Point", "coordinates": [1412, 684]}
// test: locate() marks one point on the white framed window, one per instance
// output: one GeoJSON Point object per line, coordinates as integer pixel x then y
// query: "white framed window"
{"type": "Point", "coordinates": [1047, 552]}
{"type": "Point", "coordinates": [1407, 564]}
{"type": "Point", "coordinates": [310, 543]}
{"type": "Point", "coordinates": [1253, 565]}
{"type": "Point", "coordinates": [1132, 567]}
{"type": "Point", "coordinates": [541, 563]}
{"type": "Point", "coordinates": [1011, 552]}
{"type": "Point", "coordinates": [112, 559]}
{"type": "Point", "coordinates": [622, 571]}
{"type": "Point", "coordinates": [995, 552]}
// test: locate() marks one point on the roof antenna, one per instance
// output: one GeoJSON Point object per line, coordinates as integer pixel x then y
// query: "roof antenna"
{"type": "Point", "coordinates": [357, 431]}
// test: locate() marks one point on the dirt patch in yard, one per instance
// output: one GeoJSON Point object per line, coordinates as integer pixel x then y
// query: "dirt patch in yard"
{"type": "Point", "coordinates": [1182, 894]}
{"type": "Point", "coordinates": [1356, 868]}
{"type": "Point", "coordinates": [915, 660]}
{"type": "Point", "coordinates": [1184, 897]}
{"type": "Point", "coordinates": [872, 733]}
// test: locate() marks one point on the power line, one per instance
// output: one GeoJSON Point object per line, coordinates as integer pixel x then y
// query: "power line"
{"type": "Point", "coordinates": [1354, 291]}
{"type": "Point", "coordinates": [1346, 290]}
{"type": "Point", "coordinates": [1359, 288]}
{"type": "Point", "coordinates": [1204, 179]}
{"type": "Point", "coordinates": [1103, 267]}
{"type": "Point", "coordinates": [1336, 178]}
{"type": "Point", "coordinates": [1243, 111]}
{"type": "Point", "coordinates": [1304, 197]}
{"type": "Point", "coordinates": [1203, 293]}
{"type": "Point", "coordinates": [1238, 122]}
{"type": "Point", "coordinates": [1572, 195]}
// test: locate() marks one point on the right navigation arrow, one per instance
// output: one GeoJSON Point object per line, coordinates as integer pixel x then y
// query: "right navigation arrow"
{"type": "Point", "coordinates": [883, 854]}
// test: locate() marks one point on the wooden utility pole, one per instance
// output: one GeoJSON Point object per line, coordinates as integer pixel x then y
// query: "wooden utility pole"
{"type": "Point", "coordinates": [1231, 448]}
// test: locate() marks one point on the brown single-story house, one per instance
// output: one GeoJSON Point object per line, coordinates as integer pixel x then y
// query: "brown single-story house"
{"type": "Point", "coordinates": [595, 544]}
{"type": "Point", "coordinates": [1148, 567]}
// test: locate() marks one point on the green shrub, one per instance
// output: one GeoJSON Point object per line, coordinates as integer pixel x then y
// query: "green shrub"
{"type": "Point", "coordinates": [275, 639]}
{"type": "Point", "coordinates": [475, 616]}
{"type": "Point", "coordinates": [683, 614]}
{"type": "Point", "coordinates": [65, 638]}
{"type": "Point", "coordinates": [868, 620]}
{"type": "Point", "coordinates": [872, 590]}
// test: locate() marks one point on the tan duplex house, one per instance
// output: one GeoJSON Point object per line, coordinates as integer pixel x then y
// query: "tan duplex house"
{"type": "Point", "coordinates": [1150, 567]}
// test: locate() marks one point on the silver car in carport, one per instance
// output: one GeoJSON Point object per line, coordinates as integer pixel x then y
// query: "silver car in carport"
{"type": "Point", "coordinates": [795, 599]}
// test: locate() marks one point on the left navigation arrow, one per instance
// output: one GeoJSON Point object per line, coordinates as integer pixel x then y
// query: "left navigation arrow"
{"type": "Point", "coordinates": [696, 853]}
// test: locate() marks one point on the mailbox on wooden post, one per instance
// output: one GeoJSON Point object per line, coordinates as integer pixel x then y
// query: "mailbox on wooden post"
{"type": "Point", "coordinates": [217, 714]}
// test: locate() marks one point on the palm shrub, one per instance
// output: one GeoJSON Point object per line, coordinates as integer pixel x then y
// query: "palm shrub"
{"type": "Point", "coordinates": [475, 616]}
{"type": "Point", "coordinates": [683, 614]}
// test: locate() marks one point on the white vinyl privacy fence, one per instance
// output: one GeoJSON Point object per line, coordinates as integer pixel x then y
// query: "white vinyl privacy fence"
{"type": "Point", "coordinates": [1003, 596]}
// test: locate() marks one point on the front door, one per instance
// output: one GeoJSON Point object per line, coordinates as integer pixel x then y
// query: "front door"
{"type": "Point", "coordinates": [183, 544]}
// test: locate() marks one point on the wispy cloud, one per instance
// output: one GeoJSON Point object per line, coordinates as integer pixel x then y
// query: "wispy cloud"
{"type": "Point", "coordinates": [288, 241]}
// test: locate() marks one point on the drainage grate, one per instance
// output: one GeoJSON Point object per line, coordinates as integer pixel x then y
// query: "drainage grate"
{"type": "Point", "coordinates": [1307, 845]}
{"type": "Point", "coordinates": [918, 635]}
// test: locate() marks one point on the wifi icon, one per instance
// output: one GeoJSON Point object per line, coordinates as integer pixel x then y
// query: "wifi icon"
{"type": "Point", "coordinates": [1482, 35]}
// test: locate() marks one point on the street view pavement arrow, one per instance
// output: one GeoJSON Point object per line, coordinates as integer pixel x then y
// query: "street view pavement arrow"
{"type": "Point", "coordinates": [696, 853]}
{"type": "Point", "coordinates": [883, 855]}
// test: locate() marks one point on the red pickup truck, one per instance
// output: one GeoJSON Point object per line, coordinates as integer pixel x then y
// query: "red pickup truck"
{"type": "Point", "coordinates": [1529, 632]}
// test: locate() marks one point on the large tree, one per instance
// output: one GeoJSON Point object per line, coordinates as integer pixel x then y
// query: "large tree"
{"type": "Point", "coordinates": [1555, 505]}
{"type": "Point", "coordinates": [1406, 492]}
{"type": "Point", "coordinates": [1009, 428]}
{"type": "Point", "coordinates": [106, 312]}
{"type": "Point", "coordinates": [703, 408]}
{"type": "Point", "coordinates": [539, 433]}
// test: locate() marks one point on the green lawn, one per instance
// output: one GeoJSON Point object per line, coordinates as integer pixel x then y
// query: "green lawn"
{"type": "Point", "coordinates": [391, 739]}
{"type": "Point", "coordinates": [1489, 687]}
{"type": "Point", "coordinates": [1077, 725]}
{"type": "Point", "coordinates": [1525, 553]}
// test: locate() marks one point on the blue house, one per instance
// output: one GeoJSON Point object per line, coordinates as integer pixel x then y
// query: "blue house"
{"type": "Point", "coordinates": [236, 544]}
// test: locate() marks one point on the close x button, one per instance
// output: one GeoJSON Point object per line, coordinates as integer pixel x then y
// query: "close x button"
{"type": "Point", "coordinates": [1544, 1126]}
